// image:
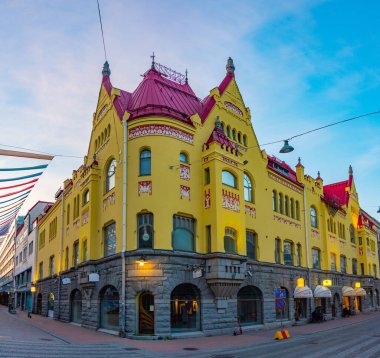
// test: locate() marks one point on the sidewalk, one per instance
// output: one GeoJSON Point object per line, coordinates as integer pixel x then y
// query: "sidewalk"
{"type": "Point", "coordinates": [75, 334]}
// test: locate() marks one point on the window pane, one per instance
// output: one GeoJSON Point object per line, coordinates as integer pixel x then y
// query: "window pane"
{"type": "Point", "coordinates": [110, 181]}
{"type": "Point", "coordinates": [247, 188]}
{"type": "Point", "coordinates": [110, 240]}
{"type": "Point", "coordinates": [183, 158]}
{"type": "Point", "coordinates": [251, 244]}
{"type": "Point", "coordinates": [183, 233]}
{"type": "Point", "coordinates": [145, 162]}
{"type": "Point", "coordinates": [228, 179]}
{"type": "Point", "coordinates": [145, 231]}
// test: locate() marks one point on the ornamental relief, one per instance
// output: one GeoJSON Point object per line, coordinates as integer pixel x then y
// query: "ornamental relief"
{"type": "Point", "coordinates": [207, 199]}
{"type": "Point", "coordinates": [184, 172]}
{"type": "Point", "coordinates": [161, 130]}
{"type": "Point", "coordinates": [109, 200]}
{"type": "Point", "coordinates": [230, 201]}
{"type": "Point", "coordinates": [251, 211]}
{"type": "Point", "coordinates": [145, 187]}
{"type": "Point", "coordinates": [185, 192]}
{"type": "Point", "coordinates": [286, 221]}
{"type": "Point", "coordinates": [315, 233]}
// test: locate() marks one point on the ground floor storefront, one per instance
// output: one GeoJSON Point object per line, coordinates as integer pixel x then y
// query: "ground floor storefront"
{"type": "Point", "coordinates": [169, 294]}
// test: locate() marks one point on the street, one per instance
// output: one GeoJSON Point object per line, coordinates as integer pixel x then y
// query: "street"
{"type": "Point", "coordinates": [357, 336]}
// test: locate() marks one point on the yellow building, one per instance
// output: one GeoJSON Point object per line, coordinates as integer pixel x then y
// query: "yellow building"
{"type": "Point", "coordinates": [177, 221]}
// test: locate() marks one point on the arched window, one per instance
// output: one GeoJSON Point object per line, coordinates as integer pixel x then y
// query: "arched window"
{"type": "Point", "coordinates": [109, 308]}
{"type": "Point", "coordinates": [183, 158]}
{"type": "Point", "coordinates": [352, 234]}
{"type": "Point", "coordinates": [110, 179]}
{"type": "Point", "coordinates": [280, 203]}
{"type": "Point", "coordinates": [229, 179]}
{"type": "Point", "coordinates": [244, 140]}
{"type": "Point", "coordinates": [185, 307]}
{"type": "Point", "coordinates": [86, 197]}
{"type": "Point", "coordinates": [297, 210]}
{"type": "Point", "coordinates": [110, 239]}
{"type": "Point", "coordinates": [250, 305]}
{"type": "Point", "coordinates": [68, 214]}
{"type": "Point", "coordinates": [248, 191]}
{"type": "Point", "coordinates": [76, 306]}
{"type": "Point", "coordinates": [274, 200]}
{"type": "Point", "coordinates": [145, 162]}
{"type": "Point", "coordinates": [239, 137]}
{"type": "Point", "coordinates": [228, 132]}
{"type": "Point", "coordinates": [183, 235]}
{"type": "Point", "coordinates": [313, 217]}
{"type": "Point", "coordinates": [234, 134]}
{"type": "Point", "coordinates": [286, 205]}
{"type": "Point", "coordinates": [223, 127]}
{"type": "Point", "coordinates": [145, 230]}
{"type": "Point", "coordinates": [292, 208]}
{"type": "Point", "coordinates": [230, 236]}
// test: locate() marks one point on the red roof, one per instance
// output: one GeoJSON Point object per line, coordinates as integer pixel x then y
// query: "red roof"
{"type": "Point", "coordinates": [283, 169]}
{"type": "Point", "coordinates": [156, 95]}
{"type": "Point", "coordinates": [218, 136]}
{"type": "Point", "coordinates": [366, 220]}
{"type": "Point", "coordinates": [209, 101]}
{"type": "Point", "coordinates": [336, 193]}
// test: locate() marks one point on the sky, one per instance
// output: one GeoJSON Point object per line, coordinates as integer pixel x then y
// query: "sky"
{"type": "Point", "coordinates": [299, 65]}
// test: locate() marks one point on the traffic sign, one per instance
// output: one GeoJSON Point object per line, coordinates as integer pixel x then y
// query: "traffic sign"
{"type": "Point", "coordinates": [280, 293]}
{"type": "Point", "coordinates": [280, 304]}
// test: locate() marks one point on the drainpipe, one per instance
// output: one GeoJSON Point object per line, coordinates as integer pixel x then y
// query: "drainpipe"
{"type": "Point", "coordinates": [124, 233]}
{"type": "Point", "coordinates": [60, 255]}
{"type": "Point", "coordinates": [307, 243]}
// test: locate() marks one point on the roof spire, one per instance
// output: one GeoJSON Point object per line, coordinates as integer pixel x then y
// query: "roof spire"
{"type": "Point", "coordinates": [153, 63]}
{"type": "Point", "coordinates": [350, 171]}
{"type": "Point", "coordinates": [230, 67]}
{"type": "Point", "coordinates": [186, 79]}
{"type": "Point", "coordinates": [106, 69]}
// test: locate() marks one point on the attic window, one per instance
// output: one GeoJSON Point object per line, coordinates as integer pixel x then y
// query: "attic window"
{"type": "Point", "coordinates": [281, 169]}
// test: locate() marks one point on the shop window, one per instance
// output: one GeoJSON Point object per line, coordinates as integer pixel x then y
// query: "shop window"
{"type": "Point", "coordinates": [230, 236]}
{"type": "Point", "coordinates": [76, 306]}
{"type": "Point", "coordinates": [183, 235]}
{"type": "Point", "coordinates": [145, 230]}
{"type": "Point", "coordinates": [110, 178]}
{"type": "Point", "coordinates": [185, 307]}
{"type": "Point", "coordinates": [250, 306]}
{"type": "Point", "coordinates": [110, 239]}
{"type": "Point", "coordinates": [109, 308]}
{"type": "Point", "coordinates": [251, 240]}
{"type": "Point", "coordinates": [229, 179]}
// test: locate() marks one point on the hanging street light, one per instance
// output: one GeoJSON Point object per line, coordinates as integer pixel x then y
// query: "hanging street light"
{"type": "Point", "coordinates": [286, 148]}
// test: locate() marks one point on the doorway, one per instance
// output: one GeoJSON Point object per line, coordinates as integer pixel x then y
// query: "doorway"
{"type": "Point", "coordinates": [146, 314]}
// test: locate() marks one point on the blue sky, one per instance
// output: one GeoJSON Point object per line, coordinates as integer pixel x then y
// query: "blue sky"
{"type": "Point", "coordinates": [299, 65]}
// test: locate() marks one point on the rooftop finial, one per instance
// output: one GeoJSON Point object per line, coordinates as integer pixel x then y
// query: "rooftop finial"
{"type": "Point", "coordinates": [350, 171]}
{"type": "Point", "coordinates": [299, 160]}
{"type": "Point", "coordinates": [186, 79]}
{"type": "Point", "coordinates": [230, 67]}
{"type": "Point", "coordinates": [106, 69]}
{"type": "Point", "coordinates": [319, 175]}
{"type": "Point", "coordinates": [153, 57]}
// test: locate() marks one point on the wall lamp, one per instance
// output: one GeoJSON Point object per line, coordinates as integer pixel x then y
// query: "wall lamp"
{"type": "Point", "coordinates": [141, 261]}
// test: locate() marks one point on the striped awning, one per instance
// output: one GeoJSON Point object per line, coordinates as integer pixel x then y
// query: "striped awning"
{"type": "Point", "coordinates": [360, 291]}
{"type": "Point", "coordinates": [303, 292]}
{"type": "Point", "coordinates": [348, 291]}
{"type": "Point", "coordinates": [322, 291]}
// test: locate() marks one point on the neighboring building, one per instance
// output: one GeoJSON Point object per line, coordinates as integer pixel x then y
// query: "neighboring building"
{"type": "Point", "coordinates": [25, 250]}
{"type": "Point", "coordinates": [7, 254]}
{"type": "Point", "coordinates": [177, 221]}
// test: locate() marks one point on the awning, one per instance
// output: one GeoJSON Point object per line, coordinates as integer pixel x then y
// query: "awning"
{"type": "Point", "coordinates": [303, 292]}
{"type": "Point", "coordinates": [360, 291]}
{"type": "Point", "coordinates": [322, 291]}
{"type": "Point", "coordinates": [348, 291]}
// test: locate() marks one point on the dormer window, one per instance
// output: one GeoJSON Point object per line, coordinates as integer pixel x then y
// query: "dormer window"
{"type": "Point", "coordinates": [281, 169]}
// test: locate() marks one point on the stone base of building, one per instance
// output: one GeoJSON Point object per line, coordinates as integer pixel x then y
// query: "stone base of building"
{"type": "Point", "coordinates": [174, 294]}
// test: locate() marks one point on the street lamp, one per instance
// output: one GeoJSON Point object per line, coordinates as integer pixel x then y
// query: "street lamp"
{"type": "Point", "coordinates": [286, 148]}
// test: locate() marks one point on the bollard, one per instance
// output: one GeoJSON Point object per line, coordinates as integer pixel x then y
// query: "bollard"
{"type": "Point", "coordinates": [284, 334]}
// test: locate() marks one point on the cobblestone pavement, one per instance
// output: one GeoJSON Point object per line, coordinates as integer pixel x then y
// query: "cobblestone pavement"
{"type": "Point", "coordinates": [43, 337]}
